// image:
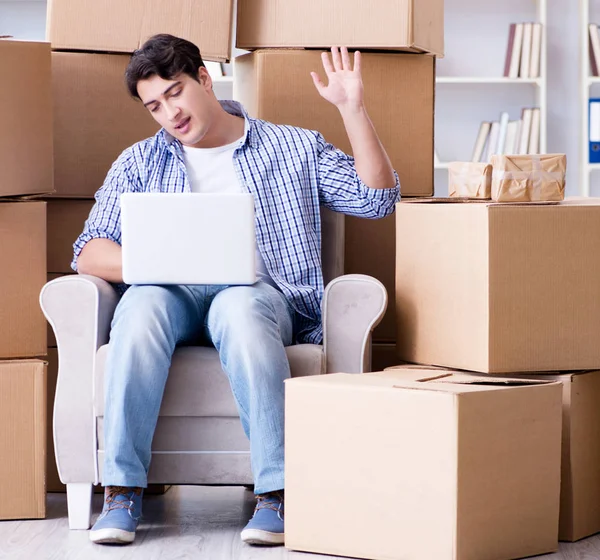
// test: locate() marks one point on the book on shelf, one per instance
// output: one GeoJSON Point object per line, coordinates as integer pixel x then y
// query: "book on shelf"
{"type": "Point", "coordinates": [536, 50]}
{"type": "Point", "coordinates": [512, 134]}
{"type": "Point", "coordinates": [525, 131]}
{"type": "Point", "coordinates": [500, 147]}
{"type": "Point", "coordinates": [492, 147]}
{"type": "Point", "coordinates": [594, 46]}
{"type": "Point", "coordinates": [524, 50]}
{"type": "Point", "coordinates": [534, 134]}
{"type": "Point", "coordinates": [512, 137]}
{"type": "Point", "coordinates": [480, 142]}
{"type": "Point", "coordinates": [594, 130]}
{"type": "Point", "coordinates": [513, 50]}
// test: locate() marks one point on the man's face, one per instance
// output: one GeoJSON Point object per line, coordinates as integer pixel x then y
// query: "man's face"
{"type": "Point", "coordinates": [182, 106]}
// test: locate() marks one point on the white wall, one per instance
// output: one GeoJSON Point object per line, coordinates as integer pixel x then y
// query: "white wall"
{"type": "Point", "coordinates": [476, 36]}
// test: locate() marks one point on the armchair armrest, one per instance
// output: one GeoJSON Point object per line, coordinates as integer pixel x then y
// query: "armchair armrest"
{"type": "Point", "coordinates": [353, 306]}
{"type": "Point", "coordinates": [79, 309]}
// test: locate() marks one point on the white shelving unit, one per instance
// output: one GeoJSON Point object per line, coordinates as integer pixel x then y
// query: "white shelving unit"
{"type": "Point", "coordinates": [482, 84]}
{"type": "Point", "coordinates": [587, 81]}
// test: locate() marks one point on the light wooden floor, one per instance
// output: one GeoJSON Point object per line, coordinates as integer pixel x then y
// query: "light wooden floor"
{"type": "Point", "coordinates": [188, 522]}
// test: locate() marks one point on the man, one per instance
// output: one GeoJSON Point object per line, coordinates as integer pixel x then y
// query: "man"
{"type": "Point", "coordinates": [210, 146]}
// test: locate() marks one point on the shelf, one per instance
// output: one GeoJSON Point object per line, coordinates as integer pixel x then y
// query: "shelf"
{"type": "Point", "coordinates": [593, 167]}
{"type": "Point", "coordinates": [486, 80]}
{"type": "Point", "coordinates": [441, 165]}
{"type": "Point", "coordinates": [223, 79]}
{"type": "Point", "coordinates": [593, 80]}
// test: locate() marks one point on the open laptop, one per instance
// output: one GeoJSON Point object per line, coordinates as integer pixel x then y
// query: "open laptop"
{"type": "Point", "coordinates": [188, 238]}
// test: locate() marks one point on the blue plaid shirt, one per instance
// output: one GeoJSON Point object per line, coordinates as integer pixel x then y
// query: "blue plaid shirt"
{"type": "Point", "coordinates": [290, 171]}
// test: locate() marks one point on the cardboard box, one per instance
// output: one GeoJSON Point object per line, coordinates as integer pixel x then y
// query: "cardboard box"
{"type": "Point", "coordinates": [467, 179]}
{"type": "Point", "coordinates": [528, 178]}
{"type": "Point", "coordinates": [26, 116]}
{"type": "Point", "coordinates": [498, 287]}
{"type": "Point", "coordinates": [66, 219]}
{"type": "Point", "coordinates": [580, 476]}
{"type": "Point", "coordinates": [23, 266]}
{"type": "Point", "coordinates": [117, 26]}
{"type": "Point", "coordinates": [580, 487]}
{"type": "Point", "coordinates": [404, 25]}
{"type": "Point", "coordinates": [22, 439]}
{"type": "Point", "coordinates": [399, 95]}
{"type": "Point", "coordinates": [398, 458]}
{"type": "Point", "coordinates": [90, 89]}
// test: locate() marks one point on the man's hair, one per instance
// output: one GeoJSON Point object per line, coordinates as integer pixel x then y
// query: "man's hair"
{"type": "Point", "coordinates": [165, 56]}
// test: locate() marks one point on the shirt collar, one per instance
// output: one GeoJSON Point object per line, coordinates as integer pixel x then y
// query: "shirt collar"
{"type": "Point", "coordinates": [233, 108]}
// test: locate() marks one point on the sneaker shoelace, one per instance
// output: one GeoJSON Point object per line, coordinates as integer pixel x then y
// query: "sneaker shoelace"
{"type": "Point", "coordinates": [271, 500]}
{"type": "Point", "coordinates": [115, 491]}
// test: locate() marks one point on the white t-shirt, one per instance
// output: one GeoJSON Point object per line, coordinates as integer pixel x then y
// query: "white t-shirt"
{"type": "Point", "coordinates": [211, 170]}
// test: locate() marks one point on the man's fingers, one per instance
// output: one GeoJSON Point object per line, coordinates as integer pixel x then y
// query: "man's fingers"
{"type": "Point", "coordinates": [327, 63]}
{"type": "Point", "coordinates": [346, 64]}
{"type": "Point", "coordinates": [317, 81]}
{"type": "Point", "coordinates": [337, 59]}
{"type": "Point", "coordinates": [357, 61]}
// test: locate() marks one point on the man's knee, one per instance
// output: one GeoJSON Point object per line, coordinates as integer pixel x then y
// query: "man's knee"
{"type": "Point", "coordinates": [145, 312]}
{"type": "Point", "coordinates": [240, 308]}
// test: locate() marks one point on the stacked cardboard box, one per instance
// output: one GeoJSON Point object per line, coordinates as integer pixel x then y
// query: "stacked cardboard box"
{"type": "Point", "coordinates": [424, 457]}
{"type": "Point", "coordinates": [398, 41]}
{"type": "Point", "coordinates": [26, 169]}
{"type": "Point", "coordinates": [512, 290]}
{"type": "Point", "coordinates": [95, 119]}
{"type": "Point", "coordinates": [426, 465]}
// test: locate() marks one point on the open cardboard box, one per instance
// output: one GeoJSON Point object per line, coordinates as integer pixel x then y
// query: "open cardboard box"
{"type": "Point", "coordinates": [422, 464]}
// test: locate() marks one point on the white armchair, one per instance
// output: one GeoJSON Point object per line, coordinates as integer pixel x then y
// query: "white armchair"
{"type": "Point", "coordinates": [199, 438]}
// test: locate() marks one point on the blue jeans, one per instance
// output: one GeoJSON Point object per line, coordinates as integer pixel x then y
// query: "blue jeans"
{"type": "Point", "coordinates": [248, 325]}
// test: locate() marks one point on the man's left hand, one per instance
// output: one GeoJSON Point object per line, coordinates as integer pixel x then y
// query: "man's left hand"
{"type": "Point", "coordinates": [345, 87]}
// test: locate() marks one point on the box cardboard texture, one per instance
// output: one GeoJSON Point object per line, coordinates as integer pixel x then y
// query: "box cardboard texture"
{"type": "Point", "coordinates": [22, 439]}
{"type": "Point", "coordinates": [25, 106]}
{"type": "Point", "coordinates": [580, 485]}
{"type": "Point", "coordinates": [409, 25]}
{"type": "Point", "coordinates": [117, 26]}
{"type": "Point", "coordinates": [399, 95]}
{"type": "Point", "coordinates": [476, 466]}
{"type": "Point", "coordinates": [23, 264]}
{"type": "Point", "coordinates": [66, 219]}
{"type": "Point", "coordinates": [580, 490]}
{"type": "Point", "coordinates": [498, 287]}
{"type": "Point", "coordinates": [580, 476]}
{"type": "Point", "coordinates": [90, 89]}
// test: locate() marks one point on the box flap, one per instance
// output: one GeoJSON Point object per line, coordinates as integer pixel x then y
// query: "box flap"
{"type": "Point", "coordinates": [421, 380]}
{"type": "Point", "coordinates": [476, 201]}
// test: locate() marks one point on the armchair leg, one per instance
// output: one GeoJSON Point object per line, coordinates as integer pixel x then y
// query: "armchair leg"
{"type": "Point", "coordinates": [79, 504]}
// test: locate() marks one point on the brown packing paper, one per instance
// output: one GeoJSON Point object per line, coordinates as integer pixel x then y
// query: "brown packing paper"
{"type": "Point", "coordinates": [469, 179]}
{"type": "Point", "coordinates": [528, 178]}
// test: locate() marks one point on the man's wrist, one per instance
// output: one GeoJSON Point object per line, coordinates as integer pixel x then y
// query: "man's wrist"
{"type": "Point", "coordinates": [348, 111]}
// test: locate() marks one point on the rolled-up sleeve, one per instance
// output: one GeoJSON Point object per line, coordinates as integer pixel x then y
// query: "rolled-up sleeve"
{"type": "Point", "coordinates": [104, 221]}
{"type": "Point", "coordinates": [342, 190]}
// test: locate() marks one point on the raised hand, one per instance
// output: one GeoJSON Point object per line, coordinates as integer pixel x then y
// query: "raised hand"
{"type": "Point", "coordinates": [345, 87]}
